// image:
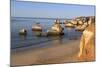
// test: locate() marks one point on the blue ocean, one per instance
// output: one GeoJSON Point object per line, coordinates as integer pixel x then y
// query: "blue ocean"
{"type": "Point", "coordinates": [18, 41]}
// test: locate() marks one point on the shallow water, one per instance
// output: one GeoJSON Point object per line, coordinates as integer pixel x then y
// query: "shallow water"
{"type": "Point", "coordinates": [18, 41]}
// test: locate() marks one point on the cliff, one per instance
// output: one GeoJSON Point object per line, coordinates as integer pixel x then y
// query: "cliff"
{"type": "Point", "coordinates": [87, 44]}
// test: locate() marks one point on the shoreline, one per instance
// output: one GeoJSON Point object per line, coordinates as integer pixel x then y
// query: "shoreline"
{"type": "Point", "coordinates": [46, 44]}
{"type": "Point", "coordinates": [48, 55]}
{"type": "Point", "coordinates": [57, 52]}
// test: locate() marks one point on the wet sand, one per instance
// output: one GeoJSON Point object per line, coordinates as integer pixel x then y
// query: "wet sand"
{"type": "Point", "coordinates": [53, 54]}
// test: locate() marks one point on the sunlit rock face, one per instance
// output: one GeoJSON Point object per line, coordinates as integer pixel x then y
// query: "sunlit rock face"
{"type": "Point", "coordinates": [74, 22]}
{"type": "Point", "coordinates": [87, 43]}
{"type": "Point", "coordinates": [80, 22]}
{"type": "Point", "coordinates": [81, 27]}
{"type": "Point", "coordinates": [91, 20]}
{"type": "Point", "coordinates": [86, 24]}
{"type": "Point", "coordinates": [37, 27]}
{"type": "Point", "coordinates": [83, 22]}
{"type": "Point", "coordinates": [56, 29]}
{"type": "Point", "coordinates": [23, 32]}
{"type": "Point", "coordinates": [69, 24]}
{"type": "Point", "coordinates": [65, 21]}
{"type": "Point", "coordinates": [57, 21]}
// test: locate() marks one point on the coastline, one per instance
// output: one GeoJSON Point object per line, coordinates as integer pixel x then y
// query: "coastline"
{"type": "Point", "coordinates": [57, 52]}
{"type": "Point", "coordinates": [53, 54]}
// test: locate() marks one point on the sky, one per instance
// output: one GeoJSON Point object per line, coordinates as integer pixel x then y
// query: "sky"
{"type": "Point", "coordinates": [49, 10]}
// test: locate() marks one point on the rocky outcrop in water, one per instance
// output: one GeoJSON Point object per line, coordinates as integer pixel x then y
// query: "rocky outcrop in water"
{"type": "Point", "coordinates": [56, 29]}
{"type": "Point", "coordinates": [37, 27]}
{"type": "Point", "coordinates": [23, 32]}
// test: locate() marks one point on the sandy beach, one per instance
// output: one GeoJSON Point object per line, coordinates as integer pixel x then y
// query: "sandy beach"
{"type": "Point", "coordinates": [53, 54]}
{"type": "Point", "coordinates": [49, 55]}
{"type": "Point", "coordinates": [57, 52]}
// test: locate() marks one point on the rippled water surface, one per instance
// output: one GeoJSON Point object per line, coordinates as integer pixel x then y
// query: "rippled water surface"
{"type": "Point", "coordinates": [18, 41]}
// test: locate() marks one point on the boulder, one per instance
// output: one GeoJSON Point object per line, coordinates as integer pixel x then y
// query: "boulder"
{"type": "Point", "coordinates": [37, 27]}
{"type": "Point", "coordinates": [54, 33]}
{"type": "Point", "coordinates": [23, 32]}
{"type": "Point", "coordinates": [57, 21]}
{"type": "Point", "coordinates": [56, 29]}
{"type": "Point", "coordinates": [69, 24]}
{"type": "Point", "coordinates": [79, 28]}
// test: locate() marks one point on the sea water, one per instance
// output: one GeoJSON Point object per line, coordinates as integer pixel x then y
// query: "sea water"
{"type": "Point", "coordinates": [18, 41]}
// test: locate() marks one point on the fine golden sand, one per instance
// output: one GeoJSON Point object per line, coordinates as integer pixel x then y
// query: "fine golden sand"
{"type": "Point", "coordinates": [52, 54]}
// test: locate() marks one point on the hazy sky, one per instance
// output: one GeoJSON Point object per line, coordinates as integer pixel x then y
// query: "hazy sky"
{"type": "Point", "coordinates": [48, 10]}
